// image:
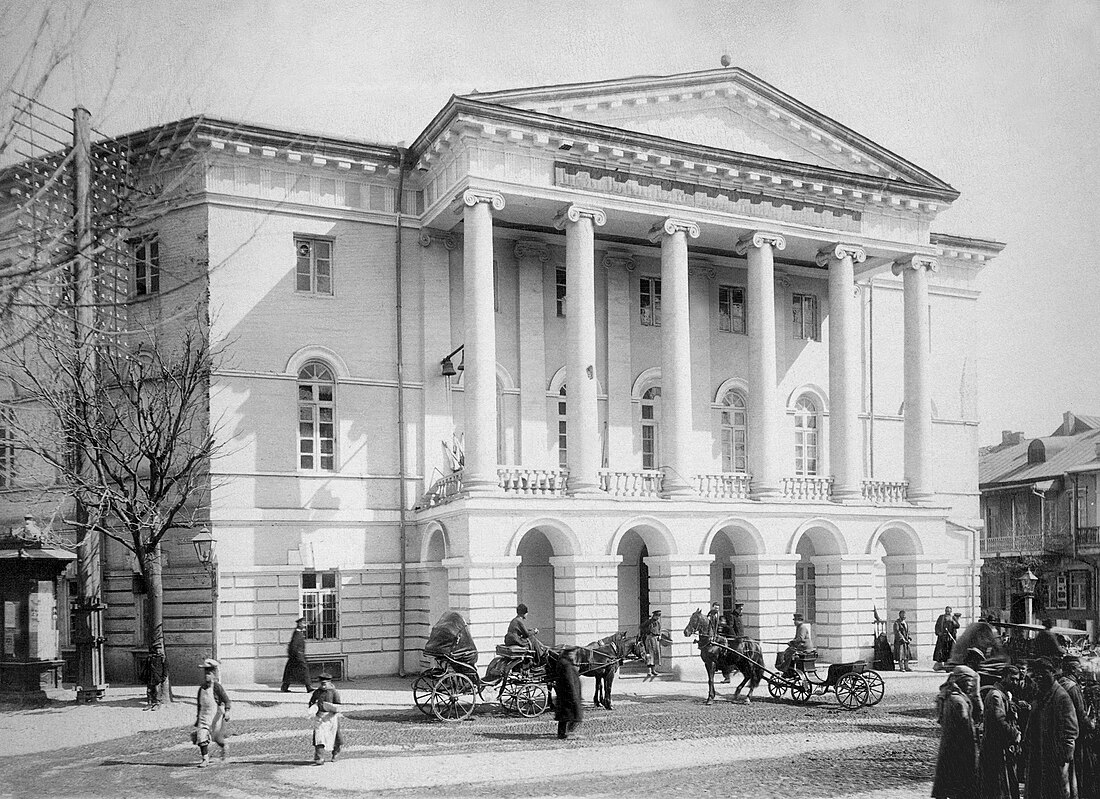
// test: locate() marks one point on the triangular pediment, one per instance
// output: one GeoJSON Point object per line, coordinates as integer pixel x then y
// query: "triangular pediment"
{"type": "Point", "coordinates": [728, 109]}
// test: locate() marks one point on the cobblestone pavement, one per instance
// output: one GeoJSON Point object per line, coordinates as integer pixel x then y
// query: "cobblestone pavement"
{"type": "Point", "coordinates": [660, 739]}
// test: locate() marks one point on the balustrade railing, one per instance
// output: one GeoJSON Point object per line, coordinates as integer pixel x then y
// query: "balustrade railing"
{"type": "Point", "coordinates": [442, 491]}
{"type": "Point", "coordinates": [807, 489]}
{"type": "Point", "coordinates": [885, 492]}
{"type": "Point", "coordinates": [645, 483]}
{"type": "Point", "coordinates": [533, 482]}
{"type": "Point", "coordinates": [1088, 536]}
{"type": "Point", "coordinates": [723, 485]}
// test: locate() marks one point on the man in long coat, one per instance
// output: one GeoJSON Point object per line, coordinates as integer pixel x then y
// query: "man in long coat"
{"type": "Point", "coordinates": [957, 761]}
{"type": "Point", "coordinates": [802, 642]}
{"type": "Point", "coordinates": [1081, 775]}
{"type": "Point", "coordinates": [568, 709]}
{"type": "Point", "coordinates": [297, 669]}
{"type": "Point", "coordinates": [902, 642]}
{"type": "Point", "coordinates": [519, 634]}
{"type": "Point", "coordinates": [945, 638]}
{"type": "Point", "coordinates": [1050, 737]}
{"type": "Point", "coordinates": [1002, 732]}
{"type": "Point", "coordinates": [651, 641]}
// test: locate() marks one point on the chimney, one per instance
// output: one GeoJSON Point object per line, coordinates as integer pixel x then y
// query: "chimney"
{"type": "Point", "coordinates": [1008, 437]}
{"type": "Point", "coordinates": [1068, 423]}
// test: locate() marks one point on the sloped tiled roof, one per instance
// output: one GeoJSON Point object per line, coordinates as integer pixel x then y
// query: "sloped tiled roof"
{"type": "Point", "coordinates": [1009, 464]}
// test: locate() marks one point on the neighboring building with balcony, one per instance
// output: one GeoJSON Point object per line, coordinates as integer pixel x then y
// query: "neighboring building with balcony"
{"type": "Point", "coordinates": [1039, 506]}
{"type": "Point", "coordinates": [602, 348]}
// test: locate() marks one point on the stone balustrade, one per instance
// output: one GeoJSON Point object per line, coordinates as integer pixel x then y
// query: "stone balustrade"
{"type": "Point", "coordinates": [533, 482]}
{"type": "Point", "coordinates": [442, 491]}
{"type": "Point", "coordinates": [643, 483]}
{"type": "Point", "coordinates": [885, 492]}
{"type": "Point", "coordinates": [723, 486]}
{"type": "Point", "coordinates": [807, 489]}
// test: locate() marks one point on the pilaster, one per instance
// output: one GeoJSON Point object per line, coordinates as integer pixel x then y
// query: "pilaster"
{"type": "Point", "coordinates": [586, 597]}
{"type": "Point", "coordinates": [678, 585]}
{"type": "Point", "coordinates": [914, 583]}
{"type": "Point", "coordinates": [532, 256]}
{"type": "Point", "coordinates": [766, 585]}
{"type": "Point", "coordinates": [484, 593]}
{"type": "Point", "coordinates": [844, 609]}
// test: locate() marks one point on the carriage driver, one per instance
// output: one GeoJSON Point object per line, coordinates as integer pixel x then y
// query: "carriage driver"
{"type": "Point", "coordinates": [800, 643]}
{"type": "Point", "coordinates": [519, 634]}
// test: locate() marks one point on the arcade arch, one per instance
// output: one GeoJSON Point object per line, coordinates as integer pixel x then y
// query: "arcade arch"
{"type": "Point", "coordinates": [535, 544]}
{"type": "Point", "coordinates": [726, 541]}
{"type": "Point", "coordinates": [634, 543]}
{"type": "Point", "coordinates": [891, 541]}
{"type": "Point", "coordinates": [435, 548]}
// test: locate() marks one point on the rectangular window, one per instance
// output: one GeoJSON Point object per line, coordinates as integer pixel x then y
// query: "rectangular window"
{"type": "Point", "coordinates": [146, 265]}
{"type": "Point", "coordinates": [805, 590]}
{"type": "Point", "coordinates": [650, 301]}
{"type": "Point", "coordinates": [729, 589]}
{"type": "Point", "coordinates": [731, 309]}
{"type": "Point", "coordinates": [563, 440]}
{"type": "Point", "coordinates": [7, 447]}
{"type": "Point", "coordinates": [313, 273]}
{"type": "Point", "coordinates": [319, 605]}
{"type": "Point", "coordinates": [560, 290]}
{"type": "Point", "coordinates": [649, 437]}
{"type": "Point", "coordinates": [1079, 590]}
{"type": "Point", "coordinates": [806, 323]}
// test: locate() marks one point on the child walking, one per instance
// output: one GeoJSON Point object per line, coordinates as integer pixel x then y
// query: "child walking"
{"type": "Point", "coordinates": [212, 713]}
{"type": "Point", "coordinates": [326, 720]}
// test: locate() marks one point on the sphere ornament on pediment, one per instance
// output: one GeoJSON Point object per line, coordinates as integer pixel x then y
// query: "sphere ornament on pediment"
{"type": "Point", "coordinates": [758, 239]}
{"type": "Point", "coordinates": [915, 262]}
{"type": "Point", "coordinates": [838, 252]}
{"type": "Point", "coordinates": [472, 197]}
{"type": "Point", "coordinates": [671, 226]}
{"type": "Point", "coordinates": [531, 248]}
{"type": "Point", "coordinates": [575, 213]}
{"type": "Point", "coordinates": [618, 259]}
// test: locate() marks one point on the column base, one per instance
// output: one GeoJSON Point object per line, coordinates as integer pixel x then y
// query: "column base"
{"type": "Point", "coordinates": [585, 490]}
{"type": "Point", "coordinates": [673, 486]}
{"type": "Point", "coordinates": [476, 485]}
{"type": "Point", "coordinates": [920, 497]}
{"type": "Point", "coordinates": [765, 493]}
{"type": "Point", "coordinates": [847, 496]}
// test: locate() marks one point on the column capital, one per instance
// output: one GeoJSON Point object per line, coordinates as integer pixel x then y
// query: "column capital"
{"type": "Point", "coordinates": [472, 197]}
{"type": "Point", "coordinates": [699, 267]}
{"type": "Point", "coordinates": [448, 240]}
{"type": "Point", "coordinates": [618, 258]}
{"type": "Point", "coordinates": [575, 213]}
{"type": "Point", "coordinates": [532, 248]}
{"type": "Point", "coordinates": [671, 226]}
{"type": "Point", "coordinates": [915, 262]}
{"type": "Point", "coordinates": [758, 239]}
{"type": "Point", "coordinates": [838, 252]}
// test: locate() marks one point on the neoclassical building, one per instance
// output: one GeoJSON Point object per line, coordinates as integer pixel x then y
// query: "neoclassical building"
{"type": "Point", "coordinates": [603, 348]}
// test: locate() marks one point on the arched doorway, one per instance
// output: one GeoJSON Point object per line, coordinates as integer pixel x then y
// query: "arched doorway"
{"type": "Point", "coordinates": [633, 585]}
{"type": "Point", "coordinates": [535, 582]}
{"type": "Point", "coordinates": [805, 580]}
{"type": "Point", "coordinates": [892, 550]}
{"type": "Point", "coordinates": [435, 552]}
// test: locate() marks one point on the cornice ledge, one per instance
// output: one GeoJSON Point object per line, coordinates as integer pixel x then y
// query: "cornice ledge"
{"type": "Point", "coordinates": [448, 240]}
{"type": "Point", "coordinates": [575, 213]}
{"type": "Point", "coordinates": [916, 263]}
{"type": "Point", "coordinates": [532, 248]}
{"type": "Point", "coordinates": [671, 226]}
{"type": "Point", "coordinates": [758, 239]}
{"type": "Point", "coordinates": [618, 258]}
{"type": "Point", "coordinates": [838, 252]}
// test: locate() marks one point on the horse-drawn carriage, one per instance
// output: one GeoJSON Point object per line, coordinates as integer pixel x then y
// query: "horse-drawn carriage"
{"type": "Point", "coordinates": [451, 689]}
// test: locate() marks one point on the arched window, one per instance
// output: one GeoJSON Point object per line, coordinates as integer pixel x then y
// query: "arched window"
{"type": "Point", "coordinates": [651, 417]}
{"type": "Point", "coordinates": [735, 455]}
{"type": "Point", "coordinates": [805, 437]}
{"type": "Point", "coordinates": [316, 418]}
{"type": "Point", "coordinates": [563, 441]}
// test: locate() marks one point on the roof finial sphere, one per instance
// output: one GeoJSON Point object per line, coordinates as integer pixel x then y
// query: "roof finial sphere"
{"type": "Point", "coordinates": [725, 60]}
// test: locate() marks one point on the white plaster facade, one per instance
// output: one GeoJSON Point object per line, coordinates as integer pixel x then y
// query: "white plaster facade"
{"type": "Point", "coordinates": [702, 181]}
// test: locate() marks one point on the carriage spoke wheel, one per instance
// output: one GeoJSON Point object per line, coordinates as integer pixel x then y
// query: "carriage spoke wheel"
{"type": "Point", "coordinates": [852, 691]}
{"type": "Point", "coordinates": [509, 696]}
{"type": "Point", "coordinates": [875, 687]}
{"type": "Point", "coordinates": [800, 688]}
{"type": "Point", "coordinates": [777, 686]}
{"type": "Point", "coordinates": [454, 697]}
{"type": "Point", "coordinates": [531, 699]}
{"type": "Point", "coordinates": [423, 689]}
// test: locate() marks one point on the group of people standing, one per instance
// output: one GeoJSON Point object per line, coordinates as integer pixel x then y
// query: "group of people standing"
{"type": "Point", "coordinates": [988, 748]}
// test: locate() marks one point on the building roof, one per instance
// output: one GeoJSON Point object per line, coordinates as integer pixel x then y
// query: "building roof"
{"type": "Point", "coordinates": [1045, 458]}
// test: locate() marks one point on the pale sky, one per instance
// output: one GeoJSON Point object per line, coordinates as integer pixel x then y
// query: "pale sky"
{"type": "Point", "coordinates": [1000, 99]}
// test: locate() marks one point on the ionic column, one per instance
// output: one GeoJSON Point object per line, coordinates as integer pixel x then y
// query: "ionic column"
{"type": "Point", "coordinates": [620, 424]}
{"type": "Point", "coordinates": [845, 433]}
{"type": "Point", "coordinates": [581, 408]}
{"type": "Point", "coordinates": [765, 449]}
{"type": "Point", "coordinates": [918, 387]}
{"type": "Point", "coordinates": [480, 379]}
{"type": "Point", "coordinates": [532, 257]}
{"type": "Point", "coordinates": [675, 443]}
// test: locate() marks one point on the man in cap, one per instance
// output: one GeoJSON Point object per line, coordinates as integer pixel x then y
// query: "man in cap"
{"type": "Point", "coordinates": [713, 620]}
{"type": "Point", "coordinates": [519, 634]}
{"type": "Point", "coordinates": [568, 709]}
{"type": "Point", "coordinates": [326, 720]}
{"type": "Point", "coordinates": [211, 712]}
{"type": "Point", "coordinates": [296, 669]}
{"type": "Point", "coordinates": [1051, 735]}
{"type": "Point", "coordinates": [802, 642]}
{"type": "Point", "coordinates": [902, 642]}
{"type": "Point", "coordinates": [651, 640]}
{"type": "Point", "coordinates": [945, 639]}
{"type": "Point", "coordinates": [997, 758]}
{"type": "Point", "coordinates": [1082, 776]}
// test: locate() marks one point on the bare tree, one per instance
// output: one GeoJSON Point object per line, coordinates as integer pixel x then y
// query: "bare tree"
{"type": "Point", "coordinates": [131, 446]}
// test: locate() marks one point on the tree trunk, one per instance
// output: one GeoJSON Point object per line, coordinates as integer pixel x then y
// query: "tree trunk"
{"type": "Point", "coordinates": [154, 616]}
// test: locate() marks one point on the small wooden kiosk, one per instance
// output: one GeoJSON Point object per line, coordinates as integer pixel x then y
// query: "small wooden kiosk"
{"type": "Point", "coordinates": [31, 562]}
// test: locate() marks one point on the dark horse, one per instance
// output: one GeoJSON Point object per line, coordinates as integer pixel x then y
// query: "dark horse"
{"type": "Point", "coordinates": [601, 660]}
{"type": "Point", "coordinates": [723, 655]}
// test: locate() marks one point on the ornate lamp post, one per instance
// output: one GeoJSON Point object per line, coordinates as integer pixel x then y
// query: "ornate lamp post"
{"type": "Point", "coordinates": [206, 546]}
{"type": "Point", "coordinates": [1027, 583]}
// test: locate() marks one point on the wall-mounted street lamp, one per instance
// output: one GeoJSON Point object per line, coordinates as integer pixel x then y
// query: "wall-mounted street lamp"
{"type": "Point", "coordinates": [447, 364]}
{"type": "Point", "coordinates": [1027, 582]}
{"type": "Point", "coordinates": [206, 550]}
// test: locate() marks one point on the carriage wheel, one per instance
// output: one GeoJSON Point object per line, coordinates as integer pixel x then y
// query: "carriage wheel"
{"type": "Point", "coordinates": [531, 700]}
{"type": "Point", "coordinates": [423, 689]}
{"type": "Point", "coordinates": [777, 685]}
{"type": "Point", "coordinates": [852, 691]}
{"type": "Point", "coordinates": [454, 697]}
{"type": "Point", "coordinates": [875, 687]}
{"type": "Point", "coordinates": [509, 696]}
{"type": "Point", "coordinates": [800, 688]}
